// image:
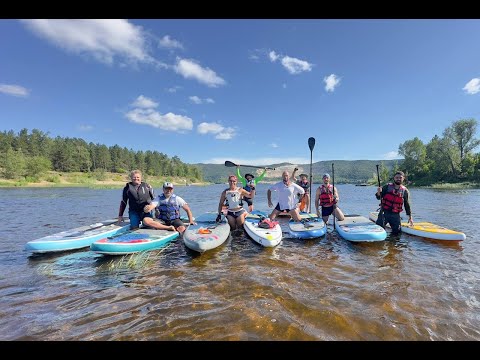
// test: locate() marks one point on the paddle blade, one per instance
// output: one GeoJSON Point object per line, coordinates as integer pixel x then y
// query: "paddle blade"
{"type": "Point", "coordinates": [230, 164]}
{"type": "Point", "coordinates": [311, 143]}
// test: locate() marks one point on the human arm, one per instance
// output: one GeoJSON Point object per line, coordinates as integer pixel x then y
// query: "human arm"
{"type": "Point", "coordinates": [241, 178]}
{"type": "Point", "coordinates": [381, 192]}
{"type": "Point", "coordinates": [250, 194]}
{"type": "Point", "coordinates": [269, 198]}
{"type": "Point", "coordinates": [335, 195]}
{"type": "Point", "coordinates": [258, 179]}
{"type": "Point", "coordinates": [189, 214]}
{"type": "Point", "coordinates": [406, 203]}
{"type": "Point", "coordinates": [220, 205]}
{"type": "Point", "coordinates": [293, 174]}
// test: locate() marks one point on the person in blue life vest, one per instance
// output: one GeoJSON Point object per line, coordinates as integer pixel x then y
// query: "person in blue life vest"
{"type": "Point", "coordinates": [394, 196]}
{"type": "Point", "coordinates": [327, 197]}
{"type": "Point", "coordinates": [236, 214]}
{"type": "Point", "coordinates": [249, 182]}
{"type": "Point", "coordinates": [304, 200]}
{"type": "Point", "coordinates": [288, 193]}
{"type": "Point", "coordinates": [137, 194]}
{"type": "Point", "coordinates": [167, 211]}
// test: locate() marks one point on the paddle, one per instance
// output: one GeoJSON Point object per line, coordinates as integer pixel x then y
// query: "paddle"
{"type": "Point", "coordinates": [333, 191]}
{"type": "Point", "coordinates": [232, 164]}
{"type": "Point", "coordinates": [380, 212]}
{"type": "Point", "coordinates": [311, 145]}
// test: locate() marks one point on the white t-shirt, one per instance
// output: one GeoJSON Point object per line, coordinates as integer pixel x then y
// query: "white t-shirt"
{"type": "Point", "coordinates": [287, 195]}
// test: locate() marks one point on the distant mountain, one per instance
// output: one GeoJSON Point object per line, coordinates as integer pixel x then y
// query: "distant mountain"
{"type": "Point", "coordinates": [346, 171]}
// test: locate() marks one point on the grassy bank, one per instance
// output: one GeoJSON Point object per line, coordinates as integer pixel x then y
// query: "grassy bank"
{"type": "Point", "coordinates": [454, 186]}
{"type": "Point", "coordinates": [104, 180]}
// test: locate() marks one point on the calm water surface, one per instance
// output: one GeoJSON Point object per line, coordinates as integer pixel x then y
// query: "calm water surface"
{"type": "Point", "coordinates": [405, 288]}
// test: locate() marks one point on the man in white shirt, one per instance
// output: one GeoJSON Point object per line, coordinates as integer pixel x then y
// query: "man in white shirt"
{"type": "Point", "coordinates": [287, 197]}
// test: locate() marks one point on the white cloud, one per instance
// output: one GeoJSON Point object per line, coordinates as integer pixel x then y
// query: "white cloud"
{"type": "Point", "coordinates": [168, 122]}
{"type": "Point", "coordinates": [168, 43]}
{"type": "Point", "coordinates": [14, 90]}
{"type": "Point", "coordinates": [102, 39]}
{"type": "Point", "coordinates": [173, 89]}
{"type": "Point", "coordinates": [274, 145]}
{"type": "Point", "coordinates": [273, 56]}
{"type": "Point", "coordinates": [260, 161]}
{"type": "Point", "coordinates": [331, 82]}
{"type": "Point", "coordinates": [190, 69]}
{"type": "Point", "coordinates": [144, 102]}
{"type": "Point", "coordinates": [391, 155]}
{"type": "Point", "coordinates": [196, 100]}
{"type": "Point", "coordinates": [221, 133]}
{"type": "Point", "coordinates": [85, 128]}
{"type": "Point", "coordinates": [473, 86]}
{"type": "Point", "coordinates": [284, 85]}
{"type": "Point", "coordinates": [293, 65]}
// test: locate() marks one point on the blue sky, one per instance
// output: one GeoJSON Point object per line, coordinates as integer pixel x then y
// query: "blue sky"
{"type": "Point", "coordinates": [250, 91]}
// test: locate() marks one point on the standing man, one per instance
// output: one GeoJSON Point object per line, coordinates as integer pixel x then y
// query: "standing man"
{"type": "Point", "coordinates": [138, 194]}
{"type": "Point", "coordinates": [167, 216]}
{"type": "Point", "coordinates": [305, 184]}
{"type": "Point", "coordinates": [287, 197]}
{"type": "Point", "coordinates": [394, 196]}
{"type": "Point", "coordinates": [327, 197]}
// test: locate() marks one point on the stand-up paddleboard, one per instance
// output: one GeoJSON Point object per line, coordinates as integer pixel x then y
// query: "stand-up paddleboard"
{"type": "Point", "coordinates": [265, 237]}
{"type": "Point", "coordinates": [134, 241]}
{"type": "Point", "coordinates": [311, 227]}
{"type": "Point", "coordinates": [358, 228]}
{"type": "Point", "coordinates": [427, 230]}
{"type": "Point", "coordinates": [206, 234]}
{"type": "Point", "coordinates": [77, 238]}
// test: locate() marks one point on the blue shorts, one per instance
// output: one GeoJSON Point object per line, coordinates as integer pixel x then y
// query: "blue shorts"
{"type": "Point", "coordinates": [327, 210]}
{"type": "Point", "coordinates": [278, 208]}
{"type": "Point", "coordinates": [136, 217]}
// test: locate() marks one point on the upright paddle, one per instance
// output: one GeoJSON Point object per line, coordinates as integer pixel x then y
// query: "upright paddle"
{"type": "Point", "coordinates": [380, 212]}
{"type": "Point", "coordinates": [311, 145]}
{"type": "Point", "coordinates": [232, 164]}
{"type": "Point", "coordinates": [333, 193]}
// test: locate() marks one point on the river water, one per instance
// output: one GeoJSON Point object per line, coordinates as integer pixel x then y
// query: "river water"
{"type": "Point", "coordinates": [406, 288]}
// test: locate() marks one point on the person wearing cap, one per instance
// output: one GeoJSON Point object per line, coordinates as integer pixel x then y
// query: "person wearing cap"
{"type": "Point", "coordinates": [288, 193]}
{"type": "Point", "coordinates": [236, 214]}
{"type": "Point", "coordinates": [305, 184]}
{"type": "Point", "coordinates": [249, 183]}
{"type": "Point", "coordinates": [394, 196]}
{"type": "Point", "coordinates": [327, 197]}
{"type": "Point", "coordinates": [137, 194]}
{"type": "Point", "coordinates": [167, 211]}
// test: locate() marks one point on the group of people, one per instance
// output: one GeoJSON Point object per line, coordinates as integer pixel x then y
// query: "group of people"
{"type": "Point", "coordinates": [163, 212]}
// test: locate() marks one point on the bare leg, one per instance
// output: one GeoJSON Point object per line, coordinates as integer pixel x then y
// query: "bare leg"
{"type": "Point", "coordinates": [338, 214]}
{"type": "Point", "coordinates": [250, 208]}
{"type": "Point", "coordinates": [241, 220]}
{"type": "Point", "coordinates": [294, 214]}
{"type": "Point", "coordinates": [181, 229]}
{"type": "Point", "coordinates": [325, 219]}
{"type": "Point", "coordinates": [231, 222]}
{"type": "Point", "coordinates": [274, 214]}
{"type": "Point", "coordinates": [157, 225]}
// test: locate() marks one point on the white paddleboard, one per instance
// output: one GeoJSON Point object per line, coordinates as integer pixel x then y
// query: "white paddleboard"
{"type": "Point", "coordinates": [206, 234]}
{"type": "Point", "coordinates": [265, 237]}
{"type": "Point", "coordinates": [357, 228]}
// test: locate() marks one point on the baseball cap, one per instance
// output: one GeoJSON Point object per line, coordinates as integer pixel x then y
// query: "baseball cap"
{"type": "Point", "coordinates": [249, 175]}
{"type": "Point", "coordinates": [167, 185]}
{"type": "Point", "coordinates": [327, 175]}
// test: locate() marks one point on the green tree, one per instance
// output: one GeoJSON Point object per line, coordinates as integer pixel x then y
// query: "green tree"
{"type": "Point", "coordinates": [415, 153]}
{"type": "Point", "coordinates": [37, 165]}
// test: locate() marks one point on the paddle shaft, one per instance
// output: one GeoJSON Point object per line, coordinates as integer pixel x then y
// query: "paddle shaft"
{"type": "Point", "coordinates": [333, 191]}
{"type": "Point", "coordinates": [311, 145]}
{"type": "Point", "coordinates": [380, 212]}
{"type": "Point", "coordinates": [232, 164]}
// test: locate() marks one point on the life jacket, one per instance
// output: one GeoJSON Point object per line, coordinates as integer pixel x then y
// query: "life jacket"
{"type": "Point", "coordinates": [304, 185]}
{"type": "Point", "coordinates": [169, 210]}
{"type": "Point", "coordinates": [248, 187]}
{"type": "Point", "coordinates": [137, 199]}
{"type": "Point", "coordinates": [234, 198]}
{"type": "Point", "coordinates": [393, 199]}
{"type": "Point", "coordinates": [326, 195]}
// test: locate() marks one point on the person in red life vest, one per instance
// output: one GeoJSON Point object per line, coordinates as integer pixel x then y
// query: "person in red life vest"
{"type": "Point", "coordinates": [304, 200]}
{"type": "Point", "coordinates": [137, 194]}
{"type": "Point", "coordinates": [167, 208]}
{"type": "Point", "coordinates": [236, 214]}
{"type": "Point", "coordinates": [327, 197]}
{"type": "Point", "coordinates": [394, 196]}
